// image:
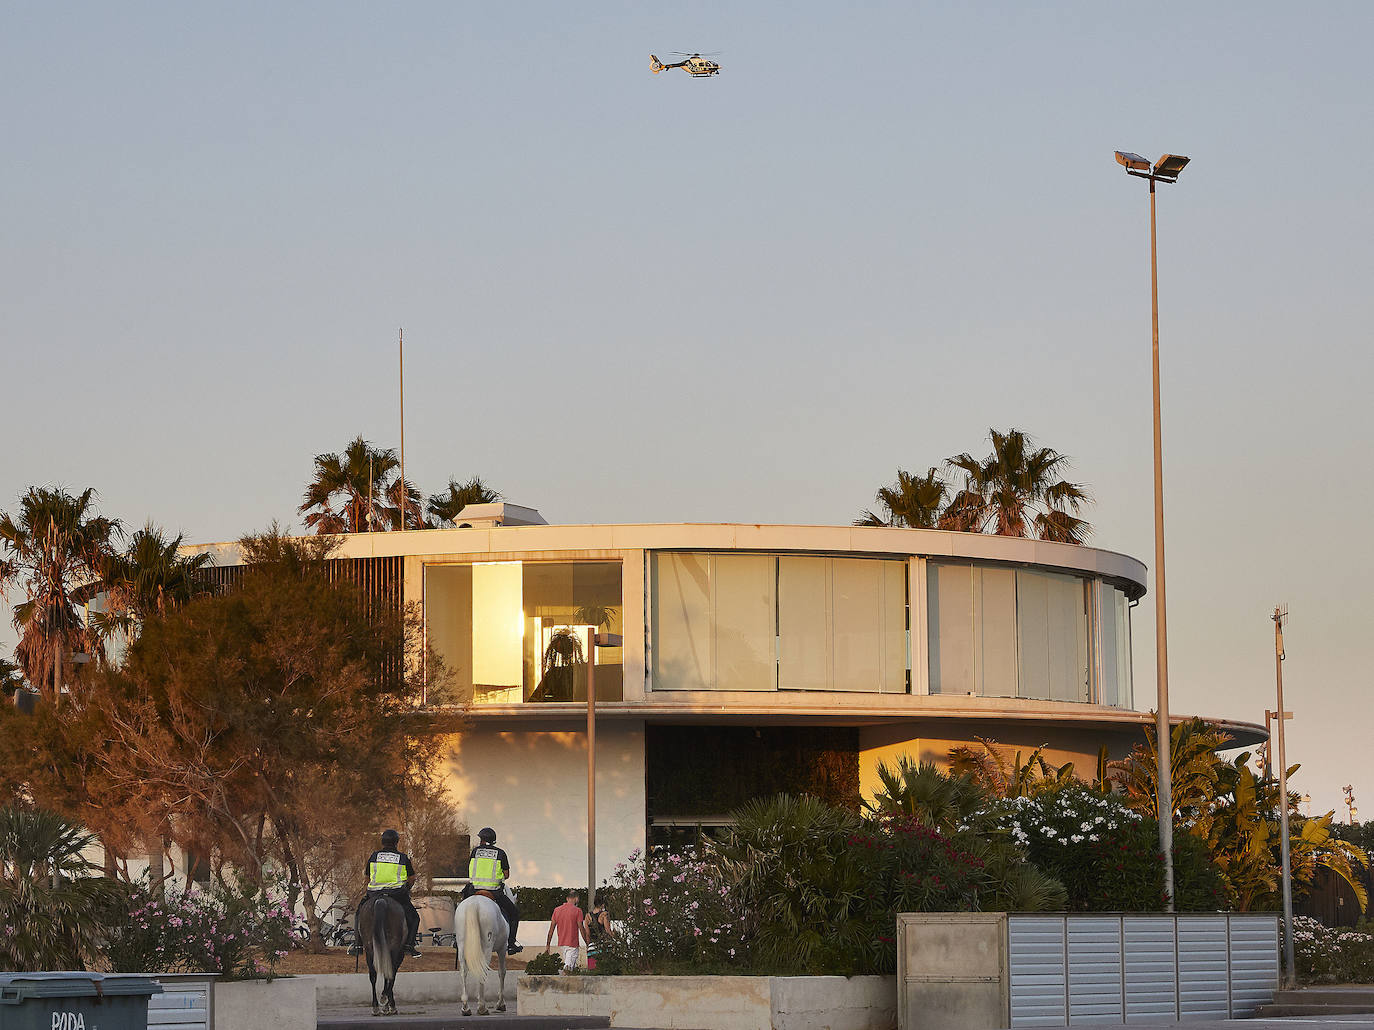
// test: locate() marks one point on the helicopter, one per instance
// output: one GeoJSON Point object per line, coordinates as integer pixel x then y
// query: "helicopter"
{"type": "Point", "coordinates": [694, 64]}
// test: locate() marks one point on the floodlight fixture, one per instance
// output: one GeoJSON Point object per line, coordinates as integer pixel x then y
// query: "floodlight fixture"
{"type": "Point", "coordinates": [1133, 161]}
{"type": "Point", "coordinates": [1170, 165]}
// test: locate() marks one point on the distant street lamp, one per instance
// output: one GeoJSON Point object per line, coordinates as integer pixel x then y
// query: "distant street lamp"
{"type": "Point", "coordinates": [1166, 169]}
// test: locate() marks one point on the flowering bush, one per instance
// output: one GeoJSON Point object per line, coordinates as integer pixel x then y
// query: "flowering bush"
{"type": "Point", "coordinates": [1106, 854]}
{"type": "Point", "coordinates": [238, 933]}
{"type": "Point", "coordinates": [1324, 955]}
{"type": "Point", "coordinates": [676, 911]}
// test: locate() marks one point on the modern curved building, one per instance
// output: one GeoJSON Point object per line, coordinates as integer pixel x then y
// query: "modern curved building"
{"type": "Point", "coordinates": [748, 659]}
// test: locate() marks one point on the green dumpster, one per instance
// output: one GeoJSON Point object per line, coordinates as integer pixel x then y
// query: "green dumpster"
{"type": "Point", "coordinates": [74, 1001]}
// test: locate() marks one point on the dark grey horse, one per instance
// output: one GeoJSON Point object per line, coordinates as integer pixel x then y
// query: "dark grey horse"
{"type": "Point", "coordinates": [382, 932]}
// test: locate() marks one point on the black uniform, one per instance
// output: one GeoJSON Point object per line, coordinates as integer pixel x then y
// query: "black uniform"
{"type": "Point", "coordinates": [503, 901]}
{"type": "Point", "coordinates": [400, 893]}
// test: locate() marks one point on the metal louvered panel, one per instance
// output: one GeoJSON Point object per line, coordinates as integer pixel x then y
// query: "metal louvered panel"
{"type": "Point", "coordinates": [1151, 983]}
{"type": "Point", "coordinates": [1137, 967]}
{"type": "Point", "coordinates": [1094, 968]}
{"type": "Point", "coordinates": [1203, 982]}
{"type": "Point", "coordinates": [1254, 961]}
{"type": "Point", "coordinates": [1035, 954]}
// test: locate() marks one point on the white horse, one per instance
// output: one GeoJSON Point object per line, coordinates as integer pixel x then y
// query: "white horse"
{"type": "Point", "coordinates": [480, 929]}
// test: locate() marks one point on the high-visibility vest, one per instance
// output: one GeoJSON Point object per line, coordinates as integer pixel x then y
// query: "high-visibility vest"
{"type": "Point", "coordinates": [484, 869]}
{"type": "Point", "coordinates": [386, 870]}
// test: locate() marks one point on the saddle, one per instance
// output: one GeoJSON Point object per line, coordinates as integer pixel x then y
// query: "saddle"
{"type": "Point", "coordinates": [485, 893]}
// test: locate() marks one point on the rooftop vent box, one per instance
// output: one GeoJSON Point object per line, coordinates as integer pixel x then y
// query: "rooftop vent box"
{"type": "Point", "coordinates": [489, 516]}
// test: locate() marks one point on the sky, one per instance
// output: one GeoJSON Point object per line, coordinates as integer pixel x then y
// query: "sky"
{"type": "Point", "coordinates": [881, 231]}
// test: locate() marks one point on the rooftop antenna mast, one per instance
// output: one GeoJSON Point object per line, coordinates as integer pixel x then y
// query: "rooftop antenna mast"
{"type": "Point", "coordinates": [403, 491]}
{"type": "Point", "coordinates": [1280, 616]}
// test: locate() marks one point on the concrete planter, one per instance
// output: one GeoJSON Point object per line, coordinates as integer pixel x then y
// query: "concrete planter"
{"type": "Point", "coordinates": [720, 1002]}
{"type": "Point", "coordinates": [286, 1003]}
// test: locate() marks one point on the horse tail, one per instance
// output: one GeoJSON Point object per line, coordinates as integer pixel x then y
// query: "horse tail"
{"type": "Point", "coordinates": [474, 950]}
{"type": "Point", "coordinates": [381, 949]}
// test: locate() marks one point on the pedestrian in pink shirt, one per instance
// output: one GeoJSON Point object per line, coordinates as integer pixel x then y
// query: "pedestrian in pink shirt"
{"type": "Point", "coordinates": [567, 920]}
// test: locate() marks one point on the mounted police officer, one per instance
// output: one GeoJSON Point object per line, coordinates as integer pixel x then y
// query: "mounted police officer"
{"type": "Point", "coordinates": [390, 873]}
{"type": "Point", "coordinates": [488, 869]}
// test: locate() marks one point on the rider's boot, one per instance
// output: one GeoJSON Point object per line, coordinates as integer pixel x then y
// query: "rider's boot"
{"type": "Point", "coordinates": [355, 948]}
{"type": "Point", "coordinates": [411, 949]}
{"type": "Point", "coordinates": [513, 948]}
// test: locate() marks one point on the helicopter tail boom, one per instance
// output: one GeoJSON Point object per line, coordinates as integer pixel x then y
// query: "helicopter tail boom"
{"type": "Point", "coordinates": [655, 65]}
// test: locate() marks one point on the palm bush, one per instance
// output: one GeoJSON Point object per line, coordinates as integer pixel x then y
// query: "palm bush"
{"type": "Point", "coordinates": [52, 906]}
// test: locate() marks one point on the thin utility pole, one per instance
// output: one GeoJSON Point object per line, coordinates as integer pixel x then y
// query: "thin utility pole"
{"type": "Point", "coordinates": [1289, 977]}
{"type": "Point", "coordinates": [591, 768]}
{"type": "Point", "coordinates": [404, 498]}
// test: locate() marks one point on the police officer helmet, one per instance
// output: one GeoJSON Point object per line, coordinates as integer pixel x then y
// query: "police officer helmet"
{"type": "Point", "coordinates": [486, 835]}
{"type": "Point", "coordinates": [390, 837]}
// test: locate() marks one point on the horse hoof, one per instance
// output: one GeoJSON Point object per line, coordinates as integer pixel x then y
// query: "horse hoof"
{"type": "Point", "coordinates": [376, 1011]}
{"type": "Point", "coordinates": [467, 1011]}
{"type": "Point", "coordinates": [483, 1011]}
{"type": "Point", "coordinates": [501, 1007]}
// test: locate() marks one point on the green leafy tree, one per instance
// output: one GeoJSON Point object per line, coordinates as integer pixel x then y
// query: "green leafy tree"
{"type": "Point", "coordinates": [52, 905]}
{"type": "Point", "coordinates": [913, 501]}
{"type": "Point", "coordinates": [350, 490]}
{"type": "Point", "coordinates": [264, 721]}
{"type": "Point", "coordinates": [444, 508]}
{"type": "Point", "coordinates": [1017, 491]}
{"type": "Point", "coordinates": [55, 549]}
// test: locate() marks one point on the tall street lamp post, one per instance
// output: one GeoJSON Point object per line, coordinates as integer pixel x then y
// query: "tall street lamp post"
{"type": "Point", "coordinates": [1166, 169]}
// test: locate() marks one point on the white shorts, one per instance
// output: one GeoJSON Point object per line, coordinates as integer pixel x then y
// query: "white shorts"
{"type": "Point", "coordinates": [569, 957]}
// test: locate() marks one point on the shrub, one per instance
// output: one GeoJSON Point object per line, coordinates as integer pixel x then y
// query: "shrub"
{"type": "Point", "coordinates": [546, 963]}
{"type": "Point", "coordinates": [238, 933]}
{"type": "Point", "coordinates": [676, 913]}
{"type": "Point", "coordinates": [1324, 955]}
{"type": "Point", "coordinates": [1107, 855]}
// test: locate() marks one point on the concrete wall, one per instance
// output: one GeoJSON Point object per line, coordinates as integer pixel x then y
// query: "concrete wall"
{"type": "Point", "coordinates": [286, 1003]}
{"type": "Point", "coordinates": [530, 786]}
{"type": "Point", "coordinates": [719, 1002]}
{"type": "Point", "coordinates": [338, 989]}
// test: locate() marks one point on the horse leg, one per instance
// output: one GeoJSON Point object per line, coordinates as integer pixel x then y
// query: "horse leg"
{"type": "Point", "coordinates": [501, 979]}
{"type": "Point", "coordinates": [372, 977]}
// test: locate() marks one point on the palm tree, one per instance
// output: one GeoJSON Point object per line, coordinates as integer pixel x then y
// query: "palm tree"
{"type": "Point", "coordinates": [444, 508]}
{"type": "Point", "coordinates": [1016, 491]}
{"type": "Point", "coordinates": [1194, 770]}
{"type": "Point", "coordinates": [149, 578]}
{"type": "Point", "coordinates": [912, 501]}
{"type": "Point", "coordinates": [414, 506]}
{"type": "Point", "coordinates": [51, 903]}
{"type": "Point", "coordinates": [58, 550]}
{"type": "Point", "coordinates": [338, 498]}
{"type": "Point", "coordinates": [1004, 777]}
{"type": "Point", "coordinates": [943, 801]}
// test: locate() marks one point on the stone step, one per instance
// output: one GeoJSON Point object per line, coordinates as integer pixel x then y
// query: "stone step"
{"type": "Point", "coordinates": [1326, 995]}
{"type": "Point", "coordinates": [1278, 1009]}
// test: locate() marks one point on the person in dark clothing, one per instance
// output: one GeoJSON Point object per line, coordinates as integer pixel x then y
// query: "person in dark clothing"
{"type": "Point", "coordinates": [488, 869]}
{"type": "Point", "coordinates": [390, 873]}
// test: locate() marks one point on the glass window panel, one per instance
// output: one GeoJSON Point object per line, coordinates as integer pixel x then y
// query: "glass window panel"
{"type": "Point", "coordinates": [1107, 646]}
{"type": "Point", "coordinates": [803, 624]}
{"type": "Point", "coordinates": [745, 621]}
{"type": "Point", "coordinates": [498, 631]}
{"type": "Point", "coordinates": [682, 658]}
{"type": "Point", "coordinates": [1120, 613]}
{"type": "Point", "coordinates": [563, 602]}
{"type": "Point", "coordinates": [504, 632]}
{"type": "Point", "coordinates": [997, 631]}
{"type": "Point", "coordinates": [894, 628]}
{"type": "Point", "coordinates": [1052, 636]}
{"type": "Point", "coordinates": [1068, 638]}
{"type": "Point", "coordinates": [949, 591]}
{"type": "Point", "coordinates": [857, 620]}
